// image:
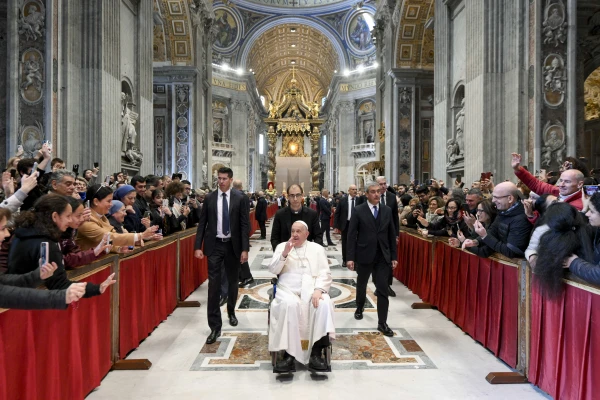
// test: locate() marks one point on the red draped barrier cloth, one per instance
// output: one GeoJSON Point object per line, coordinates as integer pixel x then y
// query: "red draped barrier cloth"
{"type": "Point", "coordinates": [271, 210]}
{"type": "Point", "coordinates": [564, 357]}
{"type": "Point", "coordinates": [414, 264]}
{"type": "Point", "coordinates": [253, 223]}
{"type": "Point", "coordinates": [479, 295]}
{"type": "Point", "coordinates": [148, 294]}
{"type": "Point", "coordinates": [192, 271]}
{"type": "Point", "coordinates": [56, 354]}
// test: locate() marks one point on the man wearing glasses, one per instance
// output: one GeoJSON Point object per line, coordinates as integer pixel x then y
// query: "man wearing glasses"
{"type": "Point", "coordinates": [509, 233]}
{"type": "Point", "coordinates": [286, 216]}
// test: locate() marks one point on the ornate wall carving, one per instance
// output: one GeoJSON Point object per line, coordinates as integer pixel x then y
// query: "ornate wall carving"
{"type": "Point", "coordinates": [554, 83]}
{"type": "Point", "coordinates": [182, 121]}
{"type": "Point", "coordinates": [404, 129]}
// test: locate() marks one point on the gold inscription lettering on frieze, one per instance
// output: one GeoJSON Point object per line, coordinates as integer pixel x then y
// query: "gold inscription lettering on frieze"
{"type": "Point", "coordinates": [350, 87]}
{"type": "Point", "coordinates": [224, 83]}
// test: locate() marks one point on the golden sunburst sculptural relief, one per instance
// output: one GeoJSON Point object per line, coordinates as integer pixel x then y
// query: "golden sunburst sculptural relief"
{"type": "Point", "coordinates": [592, 95]}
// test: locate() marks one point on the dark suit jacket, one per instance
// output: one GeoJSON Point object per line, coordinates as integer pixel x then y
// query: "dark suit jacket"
{"type": "Point", "coordinates": [260, 212]}
{"type": "Point", "coordinates": [392, 202]}
{"type": "Point", "coordinates": [340, 219]}
{"type": "Point", "coordinates": [324, 209]}
{"type": "Point", "coordinates": [282, 226]}
{"type": "Point", "coordinates": [365, 233]}
{"type": "Point", "coordinates": [239, 223]}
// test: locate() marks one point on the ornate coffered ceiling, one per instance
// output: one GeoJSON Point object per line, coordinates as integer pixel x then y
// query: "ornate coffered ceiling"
{"type": "Point", "coordinates": [172, 32]}
{"type": "Point", "coordinates": [309, 52]}
{"type": "Point", "coordinates": [414, 44]}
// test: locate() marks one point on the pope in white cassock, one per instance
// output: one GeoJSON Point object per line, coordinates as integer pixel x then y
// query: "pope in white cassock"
{"type": "Point", "coordinates": [302, 311]}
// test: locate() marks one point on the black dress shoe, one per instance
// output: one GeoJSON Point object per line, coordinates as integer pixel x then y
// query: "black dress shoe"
{"type": "Point", "coordinates": [262, 238]}
{"type": "Point", "coordinates": [317, 363]}
{"type": "Point", "coordinates": [285, 365]}
{"type": "Point", "coordinates": [246, 282]}
{"type": "Point", "coordinates": [331, 244]}
{"type": "Point", "coordinates": [213, 336]}
{"type": "Point", "coordinates": [358, 314]}
{"type": "Point", "coordinates": [385, 329]}
{"type": "Point", "coordinates": [223, 301]}
{"type": "Point", "coordinates": [233, 320]}
{"type": "Point", "coordinates": [391, 292]}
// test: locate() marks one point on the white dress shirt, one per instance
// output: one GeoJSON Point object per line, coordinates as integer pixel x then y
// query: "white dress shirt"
{"type": "Point", "coordinates": [350, 206]}
{"type": "Point", "coordinates": [220, 213]}
{"type": "Point", "coordinates": [373, 205]}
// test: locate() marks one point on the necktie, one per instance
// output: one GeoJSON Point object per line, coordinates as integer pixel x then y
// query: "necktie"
{"type": "Point", "coordinates": [225, 219]}
{"type": "Point", "coordinates": [375, 211]}
{"type": "Point", "coordinates": [353, 203]}
{"type": "Point", "coordinates": [383, 199]}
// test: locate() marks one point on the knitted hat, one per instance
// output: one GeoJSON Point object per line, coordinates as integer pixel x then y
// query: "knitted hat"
{"type": "Point", "coordinates": [123, 191]}
{"type": "Point", "coordinates": [116, 207]}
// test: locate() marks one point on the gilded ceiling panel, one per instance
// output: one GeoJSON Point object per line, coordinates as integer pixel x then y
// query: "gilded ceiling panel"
{"type": "Point", "coordinates": [172, 38]}
{"type": "Point", "coordinates": [414, 44]}
{"type": "Point", "coordinates": [308, 51]}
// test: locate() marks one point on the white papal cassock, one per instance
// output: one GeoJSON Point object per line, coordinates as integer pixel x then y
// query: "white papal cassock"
{"type": "Point", "coordinates": [295, 324]}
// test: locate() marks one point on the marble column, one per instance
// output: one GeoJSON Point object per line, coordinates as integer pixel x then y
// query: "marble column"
{"type": "Point", "coordinates": [315, 137]}
{"type": "Point", "coordinates": [239, 139]}
{"type": "Point", "coordinates": [145, 56]}
{"type": "Point", "coordinates": [272, 140]}
{"type": "Point", "coordinates": [346, 126]}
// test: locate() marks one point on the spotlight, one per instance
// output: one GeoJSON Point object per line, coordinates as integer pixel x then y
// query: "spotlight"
{"type": "Point", "coordinates": [346, 72]}
{"type": "Point", "coordinates": [239, 71]}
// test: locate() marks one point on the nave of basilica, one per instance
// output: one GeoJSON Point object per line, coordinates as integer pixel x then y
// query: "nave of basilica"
{"type": "Point", "coordinates": [327, 96]}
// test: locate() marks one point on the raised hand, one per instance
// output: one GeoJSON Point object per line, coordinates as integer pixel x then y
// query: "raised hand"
{"type": "Point", "coordinates": [515, 161]}
{"type": "Point", "coordinates": [109, 281]}
{"type": "Point", "coordinates": [75, 292]}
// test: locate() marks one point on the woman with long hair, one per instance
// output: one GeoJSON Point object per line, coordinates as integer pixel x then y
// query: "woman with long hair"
{"type": "Point", "coordinates": [46, 223]}
{"type": "Point", "coordinates": [450, 225]}
{"type": "Point", "coordinates": [485, 213]}
{"type": "Point", "coordinates": [160, 214]}
{"type": "Point", "coordinates": [180, 211]}
{"type": "Point", "coordinates": [568, 235]}
{"type": "Point", "coordinates": [588, 269]}
{"type": "Point", "coordinates": [73, 256]}
{"type": "Point", "coordinates": [19, 291]}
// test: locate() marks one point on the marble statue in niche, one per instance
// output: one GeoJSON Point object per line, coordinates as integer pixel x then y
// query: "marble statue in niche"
{"type": "Point", "coordinates": [128, 132]}
{"type": "Point", "coordinates": [33, 74]}
{"type": "Point", "coordinates": [452, 152]}
{"type": "Point", "coordinates": [31, 20]}
{"type": "Point", "coordinates": [31, 139]}
{"type": "Point", "coordinates": [217, 130]}
{"type": "Point", "coordinates": [460, 126]}
{"type": "Point", "coordinates": [554, 76]}
{"type": "Point", "coordinates": [554, 26]}
{"type": "Point", "coordinates": [368, 135]}
{"type": "Point", "coordinates": [554, 145]}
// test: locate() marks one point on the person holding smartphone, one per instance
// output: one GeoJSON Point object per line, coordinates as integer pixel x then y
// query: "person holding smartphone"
{"type": "Point", "coordinates": [175, 193]}
{"type": "Point", "coordinates": [46, 224]}
{"type": "Point", "coordinates": [132, 222]}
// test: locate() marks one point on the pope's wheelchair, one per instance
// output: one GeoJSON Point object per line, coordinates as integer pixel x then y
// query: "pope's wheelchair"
{"type": "Point", "coordinates": [278, 355]}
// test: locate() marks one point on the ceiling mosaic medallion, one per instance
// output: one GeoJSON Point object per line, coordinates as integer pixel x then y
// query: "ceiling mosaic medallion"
{"type": "Point", "coordinates": [358, 32]}
{"type": "Point", "coordinates": [229, 29]}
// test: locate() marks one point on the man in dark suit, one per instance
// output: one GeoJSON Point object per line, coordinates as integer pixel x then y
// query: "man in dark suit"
{"type": "Point", "coordinates": [261, 214]}
{"type": "Point", "coordinates": [372, 245]}
{"type": "Point", "coordinates": [245, 277]}
{"type": "Point", "coordinates": [223, 228]}
{"type": "Point", "coordinates": [325, 215]}
{"type": "Point", "coordinates": [341, 219]}
{"type": "Point", "coordinates": [284, 218]}
{"type": "Point", "coordinates": [388, 198]}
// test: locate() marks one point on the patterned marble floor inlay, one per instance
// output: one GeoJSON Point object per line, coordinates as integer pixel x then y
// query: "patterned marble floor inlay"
{"type": "Point", "coordinates": [352, 349]}
{"type": "Point", "coordinates": [255, 297]}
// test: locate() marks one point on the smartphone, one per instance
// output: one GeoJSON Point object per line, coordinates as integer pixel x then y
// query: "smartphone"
{"type": "Point", "coordinates": [44, 252]}
{"type": "Point", "coordinates": [429, 182]}
{"type": "Point", "coordinates": [465, 208]}
{"type": "Point", "coordinates": [19, 148]}
{"type": "Point", "coordinates": [13, 173]}
{"type": "Point", "coordinates": [131, 247]}
{"type": "Point", "coordinates": [107, 180]}
{"type": "Point", "coordinates": [458, 178]}
{"type": "Point", "coordinates": [87, 204]}
{"type": "Point", "coordinates": [159, 231]}
{"type": "Point", "coordinates": [591, 189]}
{"type": "Point", "coordinates": [147, 214]}
{"type": "Point", "coordinates": [35, 167]}
{"type": "Point", "coordinates": [96, 164]}
{"type": "Point", "coordinates": [76, 169]}
{"type": "Point", "coordinates": [416, 182]}
{"type": "Point", "coordinates": [165, 202]}
{"type": "Point", "coordinates": [109, 242]}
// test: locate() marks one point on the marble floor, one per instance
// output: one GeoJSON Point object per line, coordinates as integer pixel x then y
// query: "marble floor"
{"type": "Point", "coordinates": [428, 358]}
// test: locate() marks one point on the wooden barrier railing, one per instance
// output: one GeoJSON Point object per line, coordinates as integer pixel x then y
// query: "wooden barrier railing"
{"type": "Point", "coordinates": [59, 354]}
{"type": "Point", "coordinates": [553, 343]}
